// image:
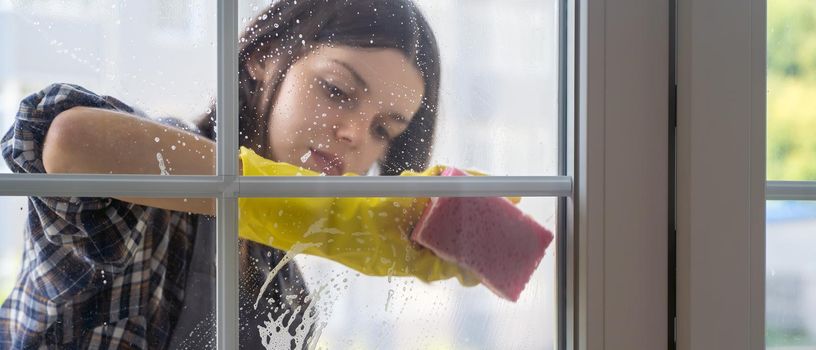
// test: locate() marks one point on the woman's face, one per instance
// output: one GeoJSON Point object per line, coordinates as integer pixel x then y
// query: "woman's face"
{"type": "Point", "coordinates": [338, 108]}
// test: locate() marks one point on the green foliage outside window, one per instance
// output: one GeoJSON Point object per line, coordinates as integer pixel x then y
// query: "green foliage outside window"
{"type": "Point", "coordinates": [791, 143]}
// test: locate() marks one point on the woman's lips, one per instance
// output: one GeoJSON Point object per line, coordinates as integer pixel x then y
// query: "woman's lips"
{"type": "Point", "coordinates": [327, 163]}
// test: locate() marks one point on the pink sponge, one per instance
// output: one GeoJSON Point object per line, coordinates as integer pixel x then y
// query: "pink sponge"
{"type": "Point", "coordinates": [487, 235]}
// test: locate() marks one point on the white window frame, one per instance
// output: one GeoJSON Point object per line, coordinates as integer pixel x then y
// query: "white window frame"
{"type": "Point", "coordinates": [721, 174]}
{"type": "Point", "coordinates": [226, 186]}
{"type": "Point", "coordinates": [618, 273]}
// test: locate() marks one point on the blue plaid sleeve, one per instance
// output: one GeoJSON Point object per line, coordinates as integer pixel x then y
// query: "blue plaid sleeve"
{"type": "Point", "coordinates": [104, 233]}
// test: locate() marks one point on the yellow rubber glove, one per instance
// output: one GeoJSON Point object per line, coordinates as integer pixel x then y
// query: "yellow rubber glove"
{"type": "Point", "coordinates": [370, 235]}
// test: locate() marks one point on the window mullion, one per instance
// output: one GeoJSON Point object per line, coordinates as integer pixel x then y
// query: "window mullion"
{"type": "Point", "coordinates": [93, 185]}
{"type": "Point", "coordinates": [790, 190]}
{"type": "Point", "coordinates": [227, 167]}
{"type": "Point", "coordinates": [389, 186]}
{"type": "Point", "coordinates": [196, 186]}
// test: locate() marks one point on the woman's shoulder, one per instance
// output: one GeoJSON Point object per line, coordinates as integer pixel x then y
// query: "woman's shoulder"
{"type": "Point", "coordinates": [61, 96]}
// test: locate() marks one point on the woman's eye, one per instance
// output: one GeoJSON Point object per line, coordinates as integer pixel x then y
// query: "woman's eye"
{"type": "Point", "coordinates": [335, 92]}
{"type": "Point", "coordinates": [382, 132]}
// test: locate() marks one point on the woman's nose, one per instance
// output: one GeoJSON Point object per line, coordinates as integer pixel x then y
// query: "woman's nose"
{"type": "Point", "coordinates": [352, 129]}
{"type": "Point", "coordinates": [345, 136]}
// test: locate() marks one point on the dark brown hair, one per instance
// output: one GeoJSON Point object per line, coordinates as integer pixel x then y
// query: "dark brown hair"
{"type": "Point", "coordinates": [286, 31]}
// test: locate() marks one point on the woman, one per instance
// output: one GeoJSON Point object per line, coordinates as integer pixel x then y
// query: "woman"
{"type": "Point", "coordinates": [333, 86]}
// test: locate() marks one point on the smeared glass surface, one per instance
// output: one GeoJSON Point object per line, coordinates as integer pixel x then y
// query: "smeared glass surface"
{"type": "Point", "coordinates": [346, 309]}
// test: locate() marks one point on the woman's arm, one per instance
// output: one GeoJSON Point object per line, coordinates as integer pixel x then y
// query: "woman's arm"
{"type": "Point", "coordinates": [98, 141]}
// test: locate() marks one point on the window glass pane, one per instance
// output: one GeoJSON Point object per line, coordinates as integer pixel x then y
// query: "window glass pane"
{"type": "Point", "coordinates": [363, 86]}
{"type": "Point", "coordinates": [791, 95]}
{"type": "Point", "coordinates": [790, 275]}
{"type": "Point", "coordinates": [156, 57]}
{"type": "Point", "coordinates": [351, 270]}
{"type": "Point", "coordinates": [791, 90]}
{"type": "Point", "coordinates": [95, 271]}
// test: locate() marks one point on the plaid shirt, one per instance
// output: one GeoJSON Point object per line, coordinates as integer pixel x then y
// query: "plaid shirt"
{"type": "Point", "coordinates": [98, 272]}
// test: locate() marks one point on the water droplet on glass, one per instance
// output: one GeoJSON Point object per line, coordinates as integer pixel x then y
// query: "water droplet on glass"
{"type": "Point", "coordinates": [305, 156]}
{"type": "Point", "coordinates": [162, 167]}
